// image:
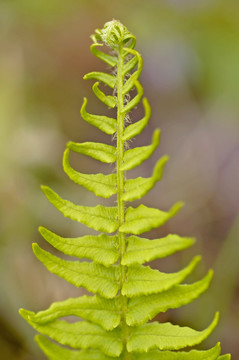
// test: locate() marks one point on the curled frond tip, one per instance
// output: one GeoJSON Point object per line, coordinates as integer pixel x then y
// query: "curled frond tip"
{"type": "Point", "coordinates": [114, 34]}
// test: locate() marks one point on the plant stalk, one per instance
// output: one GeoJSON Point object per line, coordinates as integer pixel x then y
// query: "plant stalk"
{"type": "Point", "coordinates": [120, 186]}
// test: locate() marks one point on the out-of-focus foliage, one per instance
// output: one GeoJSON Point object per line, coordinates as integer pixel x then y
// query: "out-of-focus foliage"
{"type": "Point", "coordinates": [192, 79]}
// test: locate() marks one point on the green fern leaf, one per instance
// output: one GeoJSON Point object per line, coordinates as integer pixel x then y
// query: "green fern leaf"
{"type": "Point", "coordinates": [130, 83]}
{"type": "Point", "coordinates": [94, 277]}
{"type": "Point", "coordinates": [103, 123]}
{"type": "Point", "coordinates": [100, 184]}
{"type": "Point", "coordinates": [98, 151]}
{"type": "Point", "coordinates": [211, 354]}
{"type": "Point", "coordinates": [142, 280]}
{"type": "Point", "coordinates": [135, 129]}
{"type": "Point", "coordinates": [102, 249]}
{"type": "Point", "coordinates": [107, 79]}
{"type": "Point", "coordinates": [108, 59]}
{"type": "Point", "coordinates": [108, 100]}
{"type": "Point", "coordinates": [140, 250]}
{"type": "Point", "coordinates": [166, 336]}
{"type": "Point", "coordinates": [136, 60]}
{"type": "Point", "coordinates": [56, 352]}
{"type": "Point", "coordinates": [130, 65]}
{"type": "Point", "coordinates": [137, 188]}
{"type": "Point", "coordinates": [136, 99]}
{"type": "Point", "coordinates": [99, 218]}
{"type": "Point", "coordinates": [80, 335]}
{"type": "Point", "coordinates": [136, 156]}
{"type": "Point", "coordinates": [142, 309]}
{"type": "Point", "coordinates": [104, 312]}
{"type": "Point", "coordinates": [142, 218]}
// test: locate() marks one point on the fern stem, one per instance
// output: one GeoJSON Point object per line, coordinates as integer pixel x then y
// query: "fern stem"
{"type": "Point", "coordinates": [120, 186]}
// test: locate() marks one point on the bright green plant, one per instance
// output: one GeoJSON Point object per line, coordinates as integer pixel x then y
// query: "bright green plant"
{"type": "Point", "coordinates": [128, 294]}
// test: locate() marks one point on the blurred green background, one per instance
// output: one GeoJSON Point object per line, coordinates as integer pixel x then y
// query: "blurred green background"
{"type": "Point", "coordinates": [191, 77]}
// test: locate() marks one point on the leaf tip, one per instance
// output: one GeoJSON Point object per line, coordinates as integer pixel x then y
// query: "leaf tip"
{"type": "Point", "coordinates": [21, 312]}
{"type": "Point", "coordinates": [176, 207]}
{"type": "Point", "coordinates": [25, 314]}
{"type": "Point", "coordinates": [95, 85]}
{"type": "Point", "coordinates": [66, 151]}
{"type": "Point", "coordinates": [45, 188]}
{"type": "Point", "coordinates": [35, 248]}
{"type": "Point", "coordinates": [83, 106]}
{"type": "Point", "coordinates": [48, 192]}
{"type": "Point", "coordinates": [214, 322]}
{"type": "Point", "coordinates": [42, 230]}
{"type": "Point", "coordinates": [156, 136]}
{"type": "Point", "coordinates": [165, 158]}
{"type": "Point", "coordinates": [196, 260]}
{"type": "Point", "coordinates": [180, 204]}
{"type": "Point", "coordinates": [210, 274]}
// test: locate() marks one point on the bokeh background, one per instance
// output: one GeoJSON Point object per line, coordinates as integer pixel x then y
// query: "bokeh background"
{"type": "Point", "coordinates": [191, 77]}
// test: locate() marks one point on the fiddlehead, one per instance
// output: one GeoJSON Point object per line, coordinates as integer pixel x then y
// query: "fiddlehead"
{"type": "Point", "coordinates": [127, 293]}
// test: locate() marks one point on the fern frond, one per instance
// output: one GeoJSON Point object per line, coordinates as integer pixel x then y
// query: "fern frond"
{"type": "Point", "coordinates": [167, 336]}
{"type": "Point", "coordinates": [140, 250]}
{"type": "Point", "coordinates": [102, 152]}
{"type": "Point", "coordinates": [142, 280]}
{"type": "Point", "coordinates": [130, 64]}
{"type": "Point", "coordinates": [102, 249]}
{"type": "Point", "coordinates": [141, 219]}
{"type": "Point", "coordinates": [136, 156]}
{"type": "Point", "coordinates": [135, 129]}
{"type": "Point", "coordinates": [137, 188]}
{"type": "Point", "coordinates": [131, 104]}
{"type": "Point", "coordinates": [80, 335]}
{"type": "Point", "coordinates": [101, 311]}
{"type": "Point", "coordinates": [93, 277]}
{"type": "Point", "coordinates": [99, 218]}
{"type": "Point", "coordinates": [108, 100]}
{"type": "Point", "coordinates": [108, 59]}
{"type": "Point", "coordinates": [56, 352]}
{"type": "Point", "coordinates": [144, 308]}
{"type": "Point", "coordinates": [131, 82]}
{"type": "Point", "coordinates": [211, 354]}
{"type": "Point", "coordinates": [127, 293]}
{"type": "Point", "coordinates": [104, 123]}
{"type": "Point", "coordinates": [107, 79]}
{"type": "Point", "coordinates": [100, 184]}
